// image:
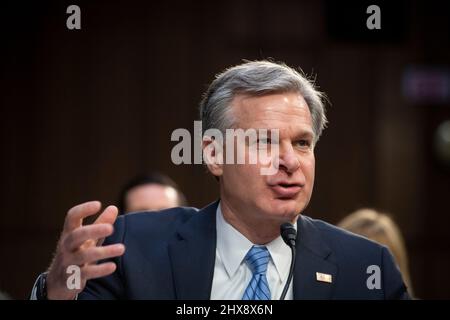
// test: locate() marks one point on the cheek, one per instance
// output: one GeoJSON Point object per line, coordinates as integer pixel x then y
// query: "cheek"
{"type": "Point", "coordinates": [311, 168]}
{"type": "Point", "coordinates": [249, 181]}
{"type": "Point", "coordinates": [241, 177]}
{"type": "Point", "coordinates": [309, 171]}
{"type": "Point", "coordinates": [307, 168]}
{"type": "Point", "coordinates": [250, 176]}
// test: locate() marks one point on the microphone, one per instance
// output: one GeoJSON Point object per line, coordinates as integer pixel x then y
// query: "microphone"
{"type": "Point", "coordinates": [289, 235]}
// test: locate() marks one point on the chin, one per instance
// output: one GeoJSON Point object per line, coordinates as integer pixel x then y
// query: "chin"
{"type": "Point", "coordinates": [285, 209]}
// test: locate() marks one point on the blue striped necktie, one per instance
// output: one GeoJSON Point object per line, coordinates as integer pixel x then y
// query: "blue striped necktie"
{"type": "Point", "coordinates": [257, 260]}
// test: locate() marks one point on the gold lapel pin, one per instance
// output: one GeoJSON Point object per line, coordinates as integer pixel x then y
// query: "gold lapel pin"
{"type": "Point", "coordinates": [323, 277]}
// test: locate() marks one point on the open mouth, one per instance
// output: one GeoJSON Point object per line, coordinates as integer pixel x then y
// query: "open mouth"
{"type": "Point", "coordinates": [286, 190]}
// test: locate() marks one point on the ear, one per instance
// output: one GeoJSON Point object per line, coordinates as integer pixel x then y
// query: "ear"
{"type": "Point", "coordinates": [213, 155]}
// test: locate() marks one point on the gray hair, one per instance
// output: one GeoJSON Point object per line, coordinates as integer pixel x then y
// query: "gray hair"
{"type": "Point", "coordinates": [258, 78]}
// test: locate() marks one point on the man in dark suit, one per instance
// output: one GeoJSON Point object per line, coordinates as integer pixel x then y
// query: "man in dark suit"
{"type": "Point", "coordinates": [232, 249]}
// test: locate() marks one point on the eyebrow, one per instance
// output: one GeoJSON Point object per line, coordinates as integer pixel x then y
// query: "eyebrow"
{"type": "Point", "coordinates": [305, 134]}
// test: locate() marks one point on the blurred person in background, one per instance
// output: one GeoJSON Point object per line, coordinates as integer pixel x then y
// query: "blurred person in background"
{"type": "Point", "coordinates": [150, 192]}
{"type": "Point", "coordinates": [380, 228]}
{"type": "Point", "coordinates": [4, 296]}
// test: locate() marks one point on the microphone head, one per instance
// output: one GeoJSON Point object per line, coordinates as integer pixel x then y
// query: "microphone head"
{"type": "Point", "coordinates": [288, 233]}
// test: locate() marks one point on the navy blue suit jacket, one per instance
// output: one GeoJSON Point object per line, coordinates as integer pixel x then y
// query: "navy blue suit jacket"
{"type": "Point", "coordinates": [171, 255]}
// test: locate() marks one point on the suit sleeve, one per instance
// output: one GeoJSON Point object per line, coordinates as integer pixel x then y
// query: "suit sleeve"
{"type": "Point", "coordinates": [394, 287]}
{"type": "Point", "coordinates": [110, 287]}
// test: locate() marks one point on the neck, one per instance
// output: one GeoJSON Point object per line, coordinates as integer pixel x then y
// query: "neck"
{"type": "Point", "coordinates": [257, 230]}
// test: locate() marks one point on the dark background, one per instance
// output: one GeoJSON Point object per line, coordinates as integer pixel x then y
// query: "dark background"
{"type": "Point", "coordinates": [82, 111]}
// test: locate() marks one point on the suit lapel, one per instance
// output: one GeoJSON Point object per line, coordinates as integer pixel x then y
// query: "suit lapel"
{"type": "Point", "coordinates": [192, 255]}
{"type": "Point", "coordinates": [311, 258]}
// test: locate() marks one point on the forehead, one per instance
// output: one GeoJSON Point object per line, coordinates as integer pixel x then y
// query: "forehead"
{"type": "Point", "coordinates": [287, 112]}
{"type": "Point", "coordinates": [152, 190]}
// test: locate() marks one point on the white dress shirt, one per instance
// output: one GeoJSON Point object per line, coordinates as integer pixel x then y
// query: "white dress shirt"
{"type": "Point", "coordinates": [231, 273]}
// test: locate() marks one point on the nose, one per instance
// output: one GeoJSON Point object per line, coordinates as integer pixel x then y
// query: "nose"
{"type": "Point", "coordinates": [288, 160]}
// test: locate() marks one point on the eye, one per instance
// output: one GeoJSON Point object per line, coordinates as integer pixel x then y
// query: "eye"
{"type": "Point", "coordinates": [304, 143]}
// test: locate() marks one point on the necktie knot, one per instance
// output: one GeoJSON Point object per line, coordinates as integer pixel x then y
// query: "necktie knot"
{"type": "Point", "coordinates": [257, 259]}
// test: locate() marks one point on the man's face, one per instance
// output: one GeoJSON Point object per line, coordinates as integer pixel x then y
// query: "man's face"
{"type": "Point", "coordinates": [149, 197]}
{"type": "Point", "coordinates": [283, 195]}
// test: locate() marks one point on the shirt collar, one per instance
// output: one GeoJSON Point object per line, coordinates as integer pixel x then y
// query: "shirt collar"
{"type": "Point", "coordinates": [232, 246]}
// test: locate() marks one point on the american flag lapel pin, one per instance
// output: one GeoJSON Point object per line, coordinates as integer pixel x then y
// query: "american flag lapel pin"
{"type": "Point", "coordinates": [323, 277]}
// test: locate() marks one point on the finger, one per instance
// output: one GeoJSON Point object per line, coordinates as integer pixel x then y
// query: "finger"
{"type": "Point", "coordinates": [109, 215]}
{"type": "Point", "coordinates": [100, 242]}
{"type": "Point", "coordinates": [94, 254]}
{"type": "Point", "coordinates": [75, 215]}
{"type": "Point", "coordinates": [98, 270]}
{"type": "Point", "coordinates": [92, 232]}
